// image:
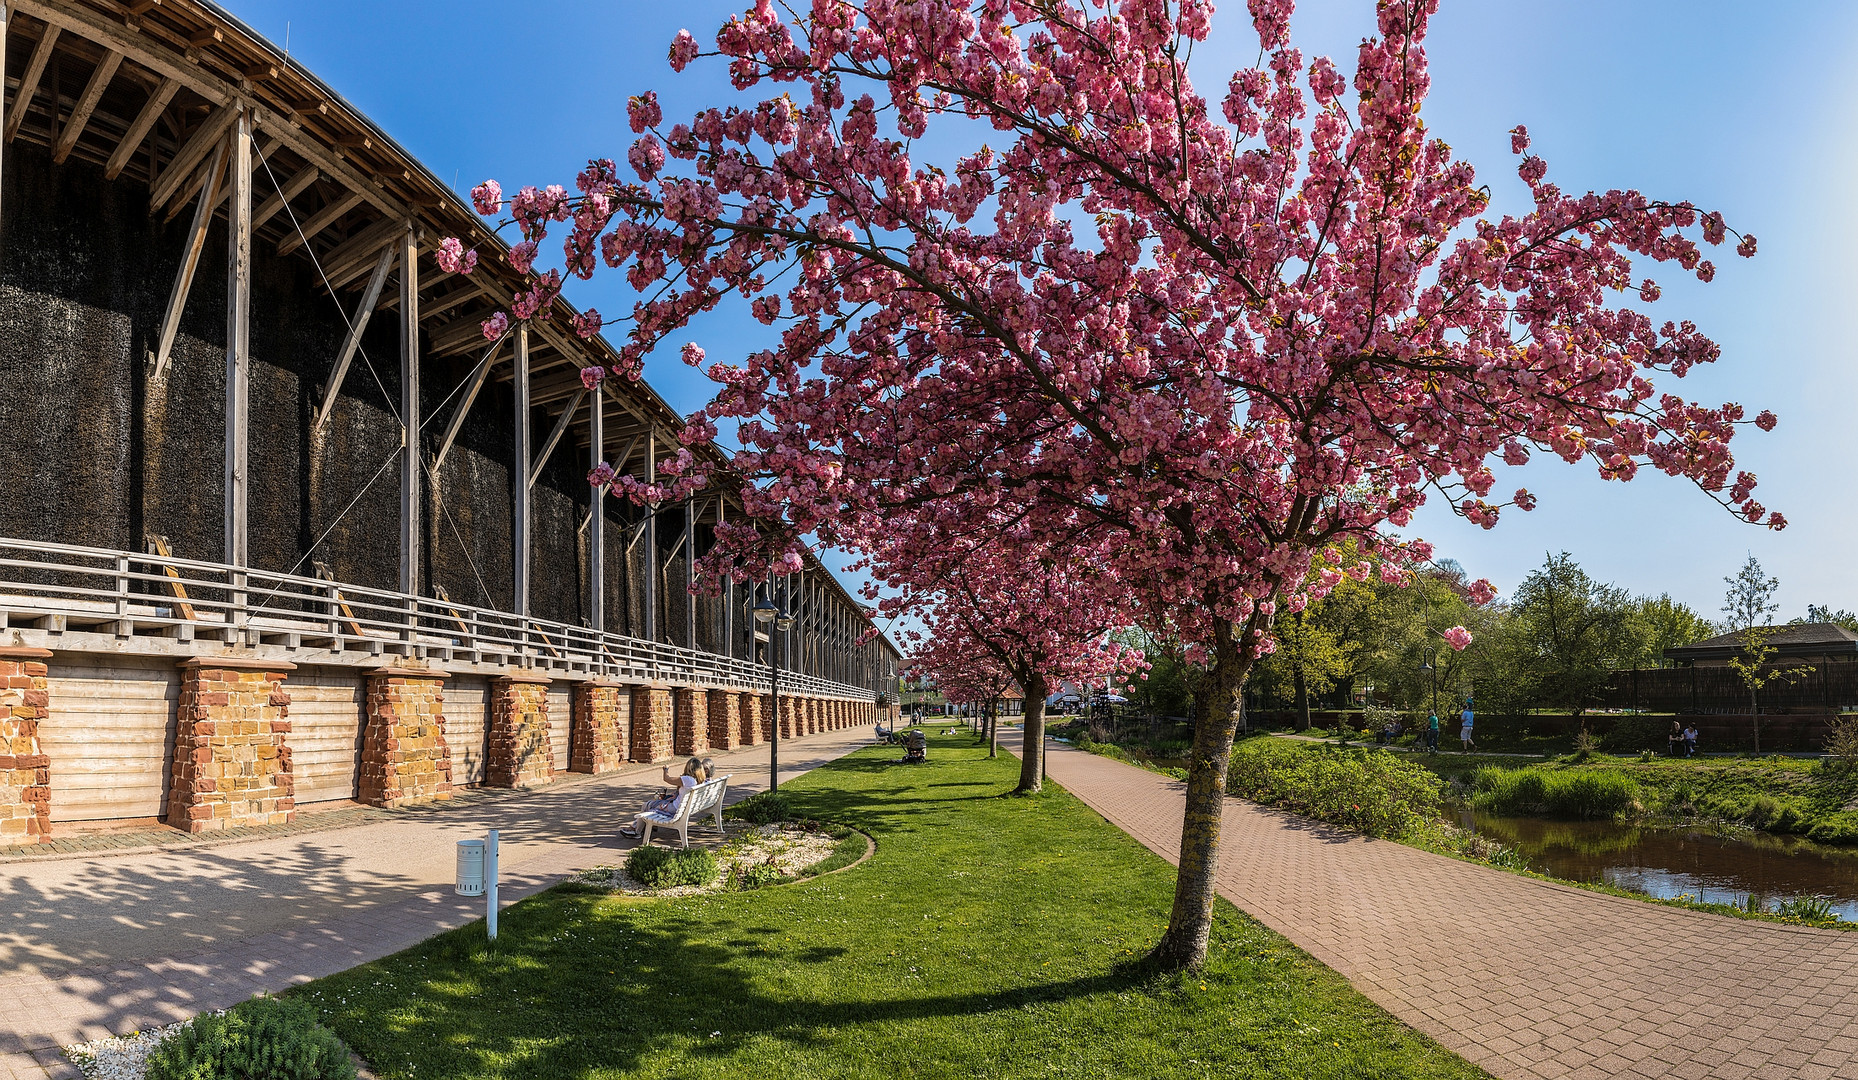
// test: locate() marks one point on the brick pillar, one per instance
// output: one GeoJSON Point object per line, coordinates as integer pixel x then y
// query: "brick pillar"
{"type": "Point", "coordinates": [521, 755]}
{"type": "Point", "coordinates": [768, 719]}
{"type": "Point", "coordinates": [691, 734]}
{"type": "Point", "coordinates": [602, 722]}
{"type": "Point", "coordinates": [231, 745]}
{"type": "Point", "coordinates": [25, 771]}
{"type": "Point", "coordinates": [651, 723]}
{"type": "Point", "coordinates": [748, 709]}
{"type": "Point", "coordinates": [725, 723]}
{"type": "Point", "coordinates": [790, 717]}
{"type": "Point", "coordinates": [811, 708]}
{"type": "Point", "coordinates": [405, 759]}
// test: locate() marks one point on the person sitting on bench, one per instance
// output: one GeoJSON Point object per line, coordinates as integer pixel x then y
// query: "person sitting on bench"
{"type": "Point", "coordinates": [696, 771]}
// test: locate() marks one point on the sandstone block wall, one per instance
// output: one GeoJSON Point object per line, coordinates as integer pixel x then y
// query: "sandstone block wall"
{"type": "Point", "coordinates": [692, 725]}
{"type": "Point", "coordinates": [652, 709]}
{"type": "Point", "coordinates": [25, 771]}
{"type": "Point", "coordinates": [520, 753]}
{"type": "Point", "coordinates": [748, 709]}
{"type": "Point", "coordinates": [231, 747]}
{"type": "Point", "coordinates": [602, 722]}
{"type": "Point", "coordinates": [405, 758]}
{"type": "Point", "coordinates": [725, 723]}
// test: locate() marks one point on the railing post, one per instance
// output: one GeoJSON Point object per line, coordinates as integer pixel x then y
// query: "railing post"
{"type": "Point", "coordinates": [335, 613]}
{"type": "Point", "coordinates": [123, 628]}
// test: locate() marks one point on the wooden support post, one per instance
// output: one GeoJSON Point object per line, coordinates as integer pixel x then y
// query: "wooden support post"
{"type": "Point", "coordinates": [29, 81]}
{"type": "Point", "coordinates": [727, 622]}
{"type": "Point", "coordinates": [190, 260]}
{"type": "Point", "coordinates": [519, 474]}
{"type": "Point", "coordinates": [596, 521]}
{"type": "Point", "coordinates": [292, 188]}
{"type": "Point", "coordinates": [5, 24]}
{"type": "Point", "coordinates": [690, 566]}
{"type": "Point", "coordinates": [352, 341]}
{"type": "Point", "coordinates": [410, 532]}
{"type": "Point", "coordinates": [191, 153]}
{"type": "Point", "coordinates": [651, 541]}
{"type": "Point", "coordinates": [238, 333]}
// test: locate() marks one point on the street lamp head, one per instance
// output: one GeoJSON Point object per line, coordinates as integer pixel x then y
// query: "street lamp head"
{"type": "Point", "coordinates": [765, 611]}
{"type": "Point", "coordinates": [783, 622]}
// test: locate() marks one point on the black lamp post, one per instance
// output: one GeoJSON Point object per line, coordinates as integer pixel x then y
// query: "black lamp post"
{"type": "Point", "coordinates": [766, 613]}
{"type": "Point", "coordinates": [1435, 686]}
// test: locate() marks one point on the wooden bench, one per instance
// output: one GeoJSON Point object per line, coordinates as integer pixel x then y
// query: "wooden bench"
{"type": "Point", "coordinates": [704, 800]}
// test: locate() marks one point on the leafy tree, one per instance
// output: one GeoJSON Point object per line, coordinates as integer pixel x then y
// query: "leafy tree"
{"type": "Point", "coordinates": [1664, 623]}
{"type": "Point", "coordinates": [1576, 631]}
{"type": "Point", "coordinates": [1755, 665]}
{"type": "Point", "coordinates": [1310, 660]}
{"type": "Point", "coordinates": [1818, 613]}
{"type": "Point", "coordinates": [1750, 600]}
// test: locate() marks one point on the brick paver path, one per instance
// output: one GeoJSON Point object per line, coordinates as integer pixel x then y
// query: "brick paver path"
{"type": "Point", "coordinates": [1523, 977]}
{"type": "Point", "coordinates": [108, 944]}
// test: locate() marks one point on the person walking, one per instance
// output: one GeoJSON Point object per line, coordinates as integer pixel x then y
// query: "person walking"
{"type": "Point", "coordinates": [1465, 720]}
{"type": "Point", "coordinates": [1432, 733]}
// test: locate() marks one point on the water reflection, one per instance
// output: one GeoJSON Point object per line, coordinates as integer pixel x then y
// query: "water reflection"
{"type": "Point", "coordinates": [1676, 862]}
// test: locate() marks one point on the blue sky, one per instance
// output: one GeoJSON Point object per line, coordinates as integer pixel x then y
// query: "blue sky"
{"type": "Point", "coordinates": [1744, 108]}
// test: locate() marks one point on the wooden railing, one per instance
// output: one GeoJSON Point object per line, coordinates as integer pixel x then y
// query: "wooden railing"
{"type": "Point", "coordinates": [55, 594]}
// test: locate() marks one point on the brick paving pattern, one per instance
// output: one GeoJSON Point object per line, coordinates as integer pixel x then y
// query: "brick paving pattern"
{"type": "Point", "coordinates": [130, 931]}
{"type": "Point", "coordinates": [1526, 978]}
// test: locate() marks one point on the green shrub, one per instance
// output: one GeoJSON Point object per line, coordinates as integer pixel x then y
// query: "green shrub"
{"type": "Point", "coordinates": [755, 876]}
{"type": "Point", "coordinates": [764, 808]}
{"type": "Point", "coordinates": [1631, 734]}
{"type": "Point", "coordinates": [1579, 793]}
{"type": "Point", "coordinates": [1370, 791]}
{"type": "Point", "coordinates": [261, 1039]}
{"type": "Point", "coordinates": [1809, 908]}
{"type": "Point", "coordinates": [666, 868]}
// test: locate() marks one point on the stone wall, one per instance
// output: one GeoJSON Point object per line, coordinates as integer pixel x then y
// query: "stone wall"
{"type": "Point", "coordinates": [520, 753]}
{"type": "Point", "coordinates": [405, 759]}
{"type": "Point", "coordinates": [724, 718]}
{"type": "Point", "coordinates": [651, 723]}
{"type": "Point", "coordinates": [25, 772]}
{"type": "Point", "coordinates": [748, 712]}
{"type": "Point", "coordinates": [692, 734]}
{"type": "Point", "coordinates": [231, 751]}
{"type": "Point", "coordinates": [602, 722]}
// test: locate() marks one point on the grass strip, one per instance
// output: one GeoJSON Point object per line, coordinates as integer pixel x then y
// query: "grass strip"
{"type": "Point", "coordinates": [988, 936]}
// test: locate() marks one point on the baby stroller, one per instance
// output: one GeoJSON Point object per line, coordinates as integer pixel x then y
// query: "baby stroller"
{"type": "Point", "coordinates": [915, 749]}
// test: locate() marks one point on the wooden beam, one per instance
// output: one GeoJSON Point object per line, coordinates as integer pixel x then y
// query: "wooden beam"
{"type": "Point", "coordinates": [292, 188]}
{"type": "Point", "coordinates": [651, 542]}
{"type": "Point", "coordinates": [456, 336]}
{"type": "Point", "coordinates": [158, 545]}
{"type": "Point", "coordinates": [596, 537]}
{"type": "Point", "coordinates": [473, 383]}
{"type": "Point", "coordinates": [190, 259]}
{"type": "Point", "coordinates": [5, 25]}
{"type": "Point", "coordinates": [264, 150]}
{"type": "Point", "coordinates": [192, 152]}
{"type": "Point", "coordinates": [114, 35]}
{"type": "Point", "coordinates": [86, 104]}
{"type": "Point", "coordinates": [322, 219]}
{"type": "Point", "coordinates": [238, 337]}
{"type": "Point", "coordinates": [519, 476]}
{"type": "Point", "coordinates": [322, 157]}
{"type": "Point", "coordinates": [690, 565]}
{"type": "Point", "coordinates": [351, 258]}
{"type": "Point", "coordinates": [554, 436]}
{"type": "Point", "coordinates": [29, 80]}
{"type": "Point", "coordinates": [139, 129]}
{"type": "Point", "coordinates": [410, 532]}
{"type": "Point", "coordinates": [352, 340]}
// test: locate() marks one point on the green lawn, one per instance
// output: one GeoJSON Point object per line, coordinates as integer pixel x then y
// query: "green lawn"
{"type": "Point", "coordinates": [989, 936]}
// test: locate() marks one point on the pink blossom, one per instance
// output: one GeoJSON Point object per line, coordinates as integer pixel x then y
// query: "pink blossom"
{"type": "Point", "coordinates": [1766, 420]}
{"type": "Point", "coordinates": [591, 377]}
{"type": "Point", "coordinates": [683, 50]}
{"type": "Point", "coordinates": [522, 256]}
{"type": "Point", "coordinates": [643, 112]}
{"type": "Point", "coordinates": [487, 197]}
{"type": "Point", "coordinates": [453, 258]}
{"type": "Point", "coordinates": [1519, 139]}
{"type": "Point", "coordinates": [1523, 500]}
{"type": "Point", "coordinates": [1458, 638]}
{"type": "Point", "coordinates": [692, 354]}
{"type": "Point", "coordinates": [1482, 592]}
{"type": "Point", "coordinates": [495, 326]}
{"type": "Point", "coordinates": [587, 324]}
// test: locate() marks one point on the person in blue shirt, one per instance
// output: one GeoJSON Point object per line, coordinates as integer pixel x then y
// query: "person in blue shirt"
{"type": "Point", "coordinates": [1465, 720]}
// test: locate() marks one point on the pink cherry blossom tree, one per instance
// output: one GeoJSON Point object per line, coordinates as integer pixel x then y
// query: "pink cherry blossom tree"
{"type": "Point", "coordinates": [1214, 338]}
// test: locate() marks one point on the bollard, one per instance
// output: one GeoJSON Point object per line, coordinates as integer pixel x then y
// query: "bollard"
{"type": "Point", "coordinates": [490, 883]}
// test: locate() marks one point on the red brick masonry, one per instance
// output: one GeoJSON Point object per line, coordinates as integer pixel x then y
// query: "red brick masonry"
{"type": "Point", "coordinates": [25, 772]}
{"type": "Point", "coordinates": [521, 755]}
{"type": "Point", "coordinates": [651, 723]}
{"type": "Point", "coordinates": [231, 754]}
{"type": "Point", "coordinates": [602, 727]}
{"type": "Point", "coordinates": [405, 758]}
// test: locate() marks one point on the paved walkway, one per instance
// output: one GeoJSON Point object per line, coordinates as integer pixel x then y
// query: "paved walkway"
{"type": "Point", "coordinates": [109, 944]}
{"type": "Point", "coordinates": [1526, 978]}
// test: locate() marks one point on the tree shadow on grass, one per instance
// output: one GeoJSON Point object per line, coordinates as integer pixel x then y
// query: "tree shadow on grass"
{"type": "Point", "coordinates": [573, 989]}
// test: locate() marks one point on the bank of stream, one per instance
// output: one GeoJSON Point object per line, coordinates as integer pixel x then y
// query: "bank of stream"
{"type": "Point", "coordinates": [1705, 864]}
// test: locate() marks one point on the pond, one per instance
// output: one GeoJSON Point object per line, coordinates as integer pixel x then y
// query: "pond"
{"type": "Point", "coordinates": [1673, 862]}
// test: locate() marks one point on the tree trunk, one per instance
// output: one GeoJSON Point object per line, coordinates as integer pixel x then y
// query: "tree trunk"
{"type": "Point", "coordinates": [1303, 700]}
{"type": "Point", "coordinates": [1217, 700]}
{"type": "Point", "coordinates": [992, 722]}
{"type": "Point", "coordinates": [1032, 744]}
{"type": "Point", "coordinates": [1754, 711]}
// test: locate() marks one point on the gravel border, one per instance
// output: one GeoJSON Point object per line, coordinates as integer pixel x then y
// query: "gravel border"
{"type": "Point", "coordinates": [790, 849]}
